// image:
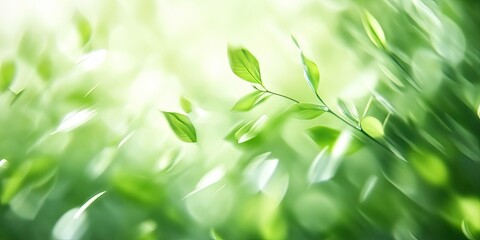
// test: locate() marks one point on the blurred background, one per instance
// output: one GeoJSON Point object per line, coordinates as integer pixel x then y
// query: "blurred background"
{"type": "Point", "coordinates": [85, 152]}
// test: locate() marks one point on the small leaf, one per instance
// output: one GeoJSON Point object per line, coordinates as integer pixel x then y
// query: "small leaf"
{"type": "Point", "coordinates": [7, 74]}
{"type": "Point", "coordinates": [17, 96]}
{"type": "Point", "coordinates": [310, 69]}
{"type": "Point", "coordinates": [215, 235]}
{"type": "Point", "coordinates": [249, 130]}
{"type": "Point", "coordinates": [45, 68]}
{"type": "Point", "coordinates": [181, 126]}
{"type": "Point", "coordinates": [478, 111]}
{"type": "Point", "coordinates": [250, 101]}
{"type": "Point", "coordinates": [349, 111]}
{"type": "Point", "coordinates": [84, 29]}
{"type": "Point", "coordinates": [323, 136]}
{"type": "Point", "coordinates": [244, 64]}
{"type": "Point", "coordinates": [373, 30]}
{"type": "Point", "coordinates": [307, 110]}
{"type": "Point", "coordinates": [372, 127]}
{"type": "Point", "coordinates": [185, 105]}
{"type": "Point", "coordinates": [75, 119]}
{"type": "Point", "coordinates": [327, 137]}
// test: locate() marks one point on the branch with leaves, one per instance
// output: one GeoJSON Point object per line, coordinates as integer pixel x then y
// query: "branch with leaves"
{"type": "Point", "coordinates": [245, 65]}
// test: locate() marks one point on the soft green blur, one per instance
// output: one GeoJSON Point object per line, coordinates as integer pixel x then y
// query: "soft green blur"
{"type": "Point", "coordinates": [86, 153]}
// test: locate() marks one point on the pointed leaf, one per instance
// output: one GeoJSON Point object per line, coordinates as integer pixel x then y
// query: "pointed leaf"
{"type": "Point", "coordinates": [185, 105]}
{"type": "Point", "coordinates": [373, 30]}
{"type": "Point", "coordinates": [249, 130]}
{"type": "Point", "coordinates": [214, 235]}
{"type": "Point", "coordinates": [478, 111]}
{"type": "Point", "coordinates": [372, 127]}
{"type": "Point", "coordinates": [244, 64]}
{"type": "Point", "coordinates": [349, 111]}
{"type": "Point", "coordinates": [250, 101]}
{"type": "Point", "coordinates": [310, 69]}
{"type": "Point", "coordinates": [16, 96]}
{"type": "Point", "coordinates": [84, 29]}
{"type": "Point", "coordinates": [181, 126]}
{"type": "Point", "coordinates": [307, 110]}
{"type": "Point", "coordinates": [323, 136]}
{"type": "Point", "coordinates": [7, 74]}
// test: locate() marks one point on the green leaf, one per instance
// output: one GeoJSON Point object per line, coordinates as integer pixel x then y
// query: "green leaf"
{"type": "Point", "coordinates": [244, 64]}
{"type": "Point", "coordinates": [349, 111]}
{"type": "Point", "coordinates": [323, 136]}
{"type": "Point", "coordinates": [250, 101]}
{"type": "Point", "coordinates": [310, 69]}
{"type": "Point", "coordinates": [245, 132]}
{"type": "Point", "coordinates": [45, 68]}
{"type": "Point", "coordinates": [326, 137]}
{"type": "Point", "coordinates": [307, 110]}
{"type": "Point", "coordinates": [185, 105]}
{"type": "Point", "coordinates": [83, 28]}
{"type": "Point", "coordinates": [17, 96]}
{"type": "Point", "coordinates": [7, 74]}
{"type": "Point", "coordinates": [478, 111]}
{"type": "Point", "coordinates": [215, 235]}
{"type": "Point", "coordinates": [181, 126]}
{"type": "Point", "coordinates": [372, 127]}
{"type": "Point", "coordinates": [30, 172]}
{"type": "Point", "coordinates": [374, 30]}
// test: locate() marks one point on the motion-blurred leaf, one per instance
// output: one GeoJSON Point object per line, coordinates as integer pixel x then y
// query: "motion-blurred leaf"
{"type": "Point", "coordinates": [307, 110]}
{"type": "Point", "coordinates": [45, 68]}
{"type": "Point", "coordinates": [84, 29]}
{"type": "Point", "coordinates": [244, 64]}
{"type": "Point", "coordinates": [75, 119]}
{"type": "Point", "coordinates": [310, 69]}
{"type": "Point", "coordinates": [373, 30]}
{"type": "Point", "coordinates": [372, 127]}
{"type": "Point", "coordinates": [181, 126]}
{"type": "Point", "coordinates": [349, 111]}
{"type": "Point", "coordinates": [478, 111]}
{"type": "Point", "coordinates": [186, 105]}
{"type": "Point", "coordinates": [250, 101]}
{"type": "Point", "coordinates": [249, 130]}
{"type": "Point", "coordinates": [28, 173]}
{"type": "Point", "coordinates": [323, 136]}
{"type": "Point", "coordinates": [215, 235]}
{"type": "Point", "coordinates": [7, 74]}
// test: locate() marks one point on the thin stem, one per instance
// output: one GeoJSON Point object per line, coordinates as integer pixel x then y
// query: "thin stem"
{"type": "Point", "coordinates": [283, 96]}
{"type": "Point", "coordinates": [359, 128]}
{"type": "Point", "coordinates": [274, 93]}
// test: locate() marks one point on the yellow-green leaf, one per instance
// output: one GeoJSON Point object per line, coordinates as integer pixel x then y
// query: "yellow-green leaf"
{"type": "Point", "coordinates": [249, 101]}
{"type": "Point", "coordinates": [372, 127]}
{"type": "Point", "coordinates": [310, 69]}
{"type": "Point", "coordinates": [84, 29]}
{"type": "Point", "coordinates": [185, 105]}
{"type": "Point", "coordinates": [181, 126]}
{"type": "Point", "coordinates": [374, 30]}
{"type": "Point", "coordinates": [7, 74]}
{"type": "Point", "coordinates": [244, 64]}
{"type": "Point", "coordinates": [349, 110]}
{"type": "Point", "coordinates": [307, 110]}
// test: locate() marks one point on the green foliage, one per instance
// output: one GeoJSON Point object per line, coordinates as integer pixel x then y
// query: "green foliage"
{"type": "Point", "coordinates": [374, 30]}
{"type": "Point", "coordinates": [250, 101]}
{"type": "Point", "coordinates": [307, 110]}
{"type": "Point", "coordinates": [372, 127]}
{"type": "Point", "coordinates": [186, 105]}
{"type": "Point", "coordinates": [181, 126]}
{"type": "Point", "coordinates": [244, 64]}
{"type": "Point", "coordinates": [310, 69]}
{"type": "Point", "coordinates": [83, 154]}
{"type": "Point", "coordinates": [7, 74]}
